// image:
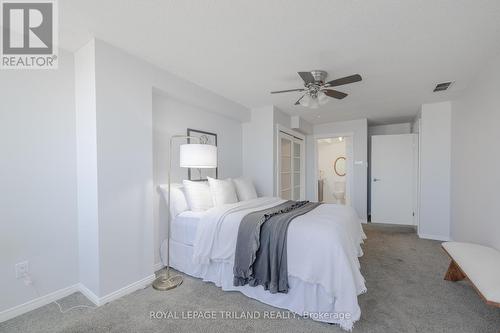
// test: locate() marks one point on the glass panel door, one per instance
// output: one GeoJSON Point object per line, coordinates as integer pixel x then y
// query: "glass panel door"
{"type": "Point", "coordinates": [291, 167]}
{"type": "Point", "coordinates": [296, 170]}
{"type": "Point", "coordinates": [286, 170]}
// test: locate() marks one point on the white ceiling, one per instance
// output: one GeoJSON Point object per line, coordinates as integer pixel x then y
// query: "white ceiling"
{"type": "Point", "coordinates": [243, 49]}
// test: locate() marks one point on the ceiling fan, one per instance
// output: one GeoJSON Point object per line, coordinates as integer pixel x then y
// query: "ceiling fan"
{"type": "Point", "coordinates": [317, 90]}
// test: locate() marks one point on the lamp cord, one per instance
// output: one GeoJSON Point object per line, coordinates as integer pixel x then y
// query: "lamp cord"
{"type": "Point", "coordinates": [29, 282]}
{"type": "Point", "coordinates": [74, 307]}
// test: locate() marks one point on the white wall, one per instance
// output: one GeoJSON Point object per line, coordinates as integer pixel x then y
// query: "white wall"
{"type": "Point", "coordinates": [359, 131]}
{"type": "Point", "coordinates": [86, 149]}
{"type": "Point", "coordinates": [284, 121]}
{"type": "Point", "coordinates": [125, 87]}
{"type": "Point", "coordinates": [38, 220]}
{"type": "Point", "coordinates": [114, 125]}
{"type": "Point", "coordinates": [124, 168]}
{"type": "Point", "coordinates": [113, 246]}
{"type": "Point", "coordinates": [415, 125]}
{"type": "Point", "coordinates": [300, 125]}
{"type": "Point", "coordinates": [327, 154]}
{"type": "Point", "coordinates": [260, 146]}
{"type": "Point", "coordinates": [435, 164]}
{"type": "Point", "coordinates": [171, 117]}
{"type": "Point", "coordinates": [258, 150]}
{"type": "Point", "coordinates": [389, 129]}
{"type": "Point", "coordinates": [475, 176]}
{"type": "Point", "coordinates": [112, 92]}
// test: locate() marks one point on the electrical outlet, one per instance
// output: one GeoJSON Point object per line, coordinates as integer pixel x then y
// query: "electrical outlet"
{"type": "Point", "coordinates": [22, 269]}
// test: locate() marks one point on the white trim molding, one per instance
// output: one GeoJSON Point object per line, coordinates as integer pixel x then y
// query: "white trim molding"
{"type": "Point", "coordinates": [61, 293]}
{"type": "Point", "coordinates": [435, 237]}
{"type": "Point", "coordinates": [98, 301]}
{"type": "Point", "coordinates": [37, 303]}
{"type": "Point", "coordinates": [158, 266]}
{"type": "Point", "coordinates": [141, 284]}
{"type": "Point", "coordinates": [295, 137]}
{"type": "Point", "coordinates": [89, 294]}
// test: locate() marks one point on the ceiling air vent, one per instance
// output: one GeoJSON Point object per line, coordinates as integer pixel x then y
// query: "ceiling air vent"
{"type": "Point", "coordinates": [443, 86]}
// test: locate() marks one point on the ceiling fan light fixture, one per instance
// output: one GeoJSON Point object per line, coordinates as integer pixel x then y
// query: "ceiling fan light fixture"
{"type": "Point", "coordinates": [322, 98]}
{"type": "Point", "coordinates": [314, 104]}
{"type": "Point", "coordinates": [316, 91]}
{"type": "Point", "coordinates": [314, 100]}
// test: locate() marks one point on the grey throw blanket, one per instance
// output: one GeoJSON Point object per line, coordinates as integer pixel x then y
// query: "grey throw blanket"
{"type": "Point", "coordinates": [261, 257]}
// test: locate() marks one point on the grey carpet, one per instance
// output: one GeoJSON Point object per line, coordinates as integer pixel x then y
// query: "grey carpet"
{"type": "Point", "coordinates": [406, 293]}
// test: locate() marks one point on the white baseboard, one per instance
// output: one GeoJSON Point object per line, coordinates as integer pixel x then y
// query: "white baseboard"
{"type": "Point", "coordinates": [435, 237]}
{"type": "Point", "coordinates": [37, 302]}
{"type": "Point", "coordinates": [89, 294]}
{"type": "Point", "coordinates": [141, 284]}
{"type": "Point", "coordinates": [157, 266]}
{"type": "Point", "coordinates": [61, 293]}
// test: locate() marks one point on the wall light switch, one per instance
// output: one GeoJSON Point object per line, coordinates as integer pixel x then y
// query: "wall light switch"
{"type": "Point", "coordinates": [22, 268]}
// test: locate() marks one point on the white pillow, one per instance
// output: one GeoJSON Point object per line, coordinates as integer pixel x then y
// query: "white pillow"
{"type": "Point", "coordinates": [245, 189]}
{"type": "Point", "coordinates": [198, 195]}
{"type": "Point", "coordinates": [223, 191]}
{"type": "Point", "coordinates": [179, 203]}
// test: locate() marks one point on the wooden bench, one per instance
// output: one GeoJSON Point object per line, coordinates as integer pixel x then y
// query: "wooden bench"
{"type": "Point", "coordinates": [479, 264]}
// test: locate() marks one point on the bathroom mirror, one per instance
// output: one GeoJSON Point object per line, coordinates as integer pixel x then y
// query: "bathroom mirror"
{"type": "Point", "coordinates": [339, 166]}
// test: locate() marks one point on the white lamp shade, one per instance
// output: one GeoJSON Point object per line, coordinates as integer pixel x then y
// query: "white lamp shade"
{"type": "Point", "coordinates": [198, 156]}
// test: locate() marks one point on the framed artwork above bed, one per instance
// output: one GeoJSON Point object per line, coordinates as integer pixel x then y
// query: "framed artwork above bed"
{"type": "Point", "coordinates": [205, 138]}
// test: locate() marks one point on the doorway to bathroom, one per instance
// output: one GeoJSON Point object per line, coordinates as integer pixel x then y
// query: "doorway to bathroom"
{"type": "Point", "coordinates": [334, 169]}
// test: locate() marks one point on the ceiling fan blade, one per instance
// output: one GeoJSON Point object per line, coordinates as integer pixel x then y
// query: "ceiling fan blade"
{"type": "Point", "coordinates": [289, 90]}
{"type": "Point", "coordinates": [344, 80]}
{"type": "Point", "coordinates": [307, 77]}
{"type": "Point", "coordinates": [298, 101]}
{"type": "Point", "coordinates": [334, 93]}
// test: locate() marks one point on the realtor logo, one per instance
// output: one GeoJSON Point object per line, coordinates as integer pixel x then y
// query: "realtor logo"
{"type": "Point", "coordinates": [29, 34]}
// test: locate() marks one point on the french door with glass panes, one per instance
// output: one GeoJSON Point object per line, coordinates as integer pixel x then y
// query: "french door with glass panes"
{"type": "Point", "coordinates": [291, 176]}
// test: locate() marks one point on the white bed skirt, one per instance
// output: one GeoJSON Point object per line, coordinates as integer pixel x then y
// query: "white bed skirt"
{"type": "Point", "coordinates": [303, 298]}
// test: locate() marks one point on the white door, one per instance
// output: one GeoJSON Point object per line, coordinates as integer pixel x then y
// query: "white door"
{"type": "Point", "coordinates": [297, 167]}
{"type": "Point", "coordinates": [393, 178]}
{"type": "Point", "coordinates": [291, 167]}
{"type": "Point", "coordinates": [285, 155]}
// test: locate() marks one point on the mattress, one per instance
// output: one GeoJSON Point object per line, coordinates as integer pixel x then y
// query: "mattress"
{"type": "Point", "coordinates": [184, 227]}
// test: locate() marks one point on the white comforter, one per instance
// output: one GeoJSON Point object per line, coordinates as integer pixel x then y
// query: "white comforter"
{"type": "Point", "coordinates": [322, 246]}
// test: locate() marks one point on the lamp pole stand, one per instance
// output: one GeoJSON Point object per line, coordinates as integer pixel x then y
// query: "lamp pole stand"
{"type": "Point", "coordinates": [165, 281]}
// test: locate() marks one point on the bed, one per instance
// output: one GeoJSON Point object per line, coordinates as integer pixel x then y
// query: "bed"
{"type": "Point", "coordinates": [323, 247]}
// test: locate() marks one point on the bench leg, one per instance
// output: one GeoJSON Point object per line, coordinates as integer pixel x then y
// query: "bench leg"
{"type": "Point", "coordinates": [454, 273]}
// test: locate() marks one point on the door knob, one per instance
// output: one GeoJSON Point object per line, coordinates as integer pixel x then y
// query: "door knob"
{"type": "Point", "coordinates": [376, 179]}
